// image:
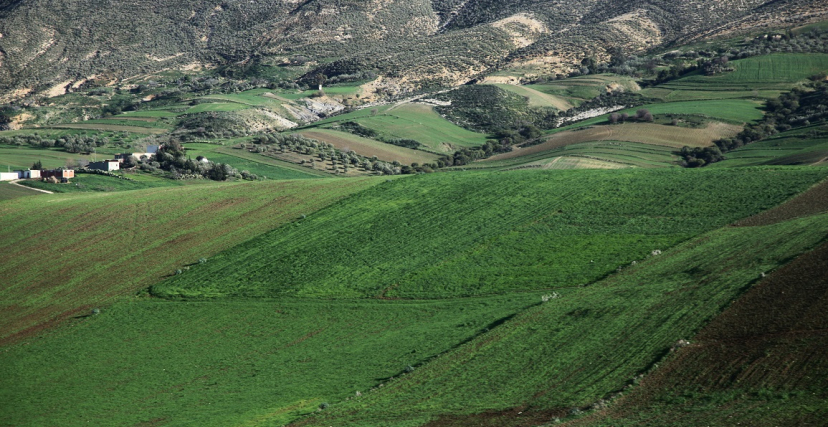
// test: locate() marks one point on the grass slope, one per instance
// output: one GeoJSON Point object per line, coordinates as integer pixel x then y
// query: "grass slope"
{"type": "Point", "coordinates": [83, 183]}
{"type": "Point", "coordinates": [268, 362]}
{"type": "Point", "coordinates": [9, 191]}
{"type": "Point", "coordinates": [576, 90]}
{"type": "Point", "coordinates": [732, 369]}
{"type": "Point", "coordinates": [589, 343]}
{"type": "Point", "coordinates": [76, 251]}
{"type": "Point", "coordinates": [421, 123]}
{"type": "Point", "coordinates": [458, 234]}
{"type": "Point", "coordinates": [13, 157]}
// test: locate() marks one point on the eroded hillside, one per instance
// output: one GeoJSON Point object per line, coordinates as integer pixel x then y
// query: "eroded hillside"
{"type": "Point", "coordinates": [50, 47]}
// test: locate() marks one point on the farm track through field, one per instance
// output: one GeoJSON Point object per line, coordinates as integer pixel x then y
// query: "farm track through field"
{"type": "Point", "coordinates": [17, 184]}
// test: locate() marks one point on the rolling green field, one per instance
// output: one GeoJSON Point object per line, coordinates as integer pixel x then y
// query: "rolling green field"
{"type": "Point", "coordinates": [576, 90]}
{"type": "Point", "coordinates": [268, 362]}
{"type": "Point", "coordinates": [729, 110]}
{"type": "Point", "coordinates": [588, 344]}
{"type": "Point", "coordinates": [24, 157]}
{"type": "Point", "coordinates": [254, 97]}
{"type": "Point", "coordinates": [421, 123]}
{"type": "Point", "coordinates": [149, 114]}
{"type": "Point", "coordinates": [9, 191]}
{"type": "Point", "coordinates": [795, 147]}
{"type": "Point", "coordinates": [491, 232]}
{"type": "Point", "coordinates": [215, 106]}
{"type": "Point", "coordinates": [616, 153]}
{"type": "Point", "coordinates": [328, 90]}
{"type": "Point", "coordinates": [101, 246]}
{"type": "Point", "coordinates": [634, 144]}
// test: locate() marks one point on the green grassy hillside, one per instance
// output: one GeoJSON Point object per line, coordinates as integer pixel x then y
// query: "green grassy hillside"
{"type": "Point", "coordinates": [578, 351]}
{"type": "Point", "coordinates": [488, 232]}
{"type": "Point", "coordinates": [418, 122]}
{"type": "Point", "coordinates": [732, 368]}
{"type": "Point", "coordinates": [261, 363]}
{"type": "Point", "coordinates": [74, 251]}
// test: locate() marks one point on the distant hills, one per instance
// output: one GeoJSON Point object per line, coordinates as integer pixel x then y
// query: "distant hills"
{"type": "Point", "coordinates": [48, 46]}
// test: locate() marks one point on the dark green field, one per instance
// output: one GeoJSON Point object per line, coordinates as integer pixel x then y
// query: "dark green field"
{"type": "Point", "coordinates": [554, 230]}
{"type": "Point", "coordinates": [9, 191]}
{"type": "Point", "coordinates": [228, 363]}
{"type": "Point", "coordinates": [585, 346]}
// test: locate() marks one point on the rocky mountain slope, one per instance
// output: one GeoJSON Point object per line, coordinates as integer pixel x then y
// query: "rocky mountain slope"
{"type": "Point", "coordinates": [48, 46]}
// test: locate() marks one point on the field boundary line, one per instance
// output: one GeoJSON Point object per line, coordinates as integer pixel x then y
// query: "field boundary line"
{"type": "Point", "coordinates": [14, 182]}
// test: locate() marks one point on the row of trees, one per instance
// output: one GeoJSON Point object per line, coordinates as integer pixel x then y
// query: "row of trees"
{"type": "Point", "coordinates": [641, 115]}
{"type": "Point", "coordinates": [171, 158]}
{"type": "Point", "coordinates": [71, 143]}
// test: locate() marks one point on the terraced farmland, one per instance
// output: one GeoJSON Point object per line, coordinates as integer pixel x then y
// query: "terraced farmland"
{"type": "Point", "coordinates": [556, 229]}
{"type": "Point", "coordinates": [369, 147]}
{"type": "Point", "coordinates": [760, 76]}
{"type": "Point", "coordinates": [97, 247]}
{"type": "Point", "coordinates": [591, 155]}
{"type": "Point", "coordinates": [672, 137]}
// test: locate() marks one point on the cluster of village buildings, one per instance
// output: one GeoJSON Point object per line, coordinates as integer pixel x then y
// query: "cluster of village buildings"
{"type": "Point", "coordinates": [64, 174]}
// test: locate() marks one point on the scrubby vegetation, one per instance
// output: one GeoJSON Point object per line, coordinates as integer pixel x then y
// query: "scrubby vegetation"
{"type": "Point", "coordinates": [795, 109]}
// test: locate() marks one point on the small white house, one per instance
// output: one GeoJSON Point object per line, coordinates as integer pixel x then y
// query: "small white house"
{"type": "Point", "coordinates": [30, 174]}
{"type": "Point", "coordinates": [9, 176]}
{"type": "Point", "coordinates": [106, 165]}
